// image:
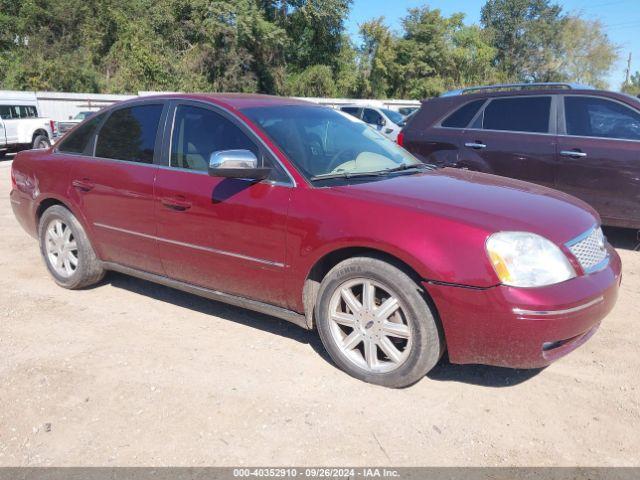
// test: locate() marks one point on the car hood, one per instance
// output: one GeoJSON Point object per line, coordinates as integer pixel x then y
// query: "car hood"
{"type": "Point", "coordinates": [488, 202]}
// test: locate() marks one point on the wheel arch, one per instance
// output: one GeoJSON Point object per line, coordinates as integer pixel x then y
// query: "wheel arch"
{"type": "Point", "coordinates": [39, 131]}
{"type": "Point", "coordinates": [47, 201]}
{"type": "Point", "coordinates": [325, 263]}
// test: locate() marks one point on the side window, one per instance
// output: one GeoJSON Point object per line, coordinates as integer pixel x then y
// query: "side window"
{"type": "Point", "coordinates": [461, 117]}
{"type": "Point", "coordinates": [518, 114]}
{"type": "Point", "coordinates": [351, 111]}
{"type": "Point", "coordinates": [371, 117]}
{"type": "Point", "coordinates": [597, 117]}
{"type": "Point", "coordinates": [199, 132]}
{"type": "Point", "coordinates": [130, 134]}
{"type": "Point", "coordinates": [76, 141]}
{"type": "Point", "coordinates": [5, 112]}
{"type": "Point", "coordinates": [27, 111]}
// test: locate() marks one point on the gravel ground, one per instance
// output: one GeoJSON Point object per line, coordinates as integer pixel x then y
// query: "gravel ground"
{"type": "Point", "coordinates": [131, 373]}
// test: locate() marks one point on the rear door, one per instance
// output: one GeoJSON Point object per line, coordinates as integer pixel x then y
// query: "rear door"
{"type": "Point", "coordinates": [226, 234]}
{"type": "Point", "coordinates": [114, 186]}
{"type": "Point", "coordinates": [3, 136]}
{"type": "Point", "coordinates": [599, 156]}
{"type": "Point", "coordinates": [515, 137]}
{"type": "Point", "coordinates": [439, 142]}
{"type": "Point", "coordinates": [11, 118]}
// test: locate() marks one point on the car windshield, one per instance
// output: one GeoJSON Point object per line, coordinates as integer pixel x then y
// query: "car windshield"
{"type": "Point", "coordinates": [321, 141]}
{"type": "Point", "coordinates": [395, 117]}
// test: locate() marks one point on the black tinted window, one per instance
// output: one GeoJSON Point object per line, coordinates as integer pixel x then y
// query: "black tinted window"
{"type": "Point", "coordinates": [596, 117]}
{"type": "Point", "coordinates": [351, 110]}
{"type": "Point", "coordinates": [371, 116]}
{"type": "Point", "coordinates": [199, 132]}
{"type": "Point", "coordinates": [526, 114]}
{"type": "Point", "coordinates": [130, 134]}
{"type": "Point", "coordinates": [9, 112]}
{"type": "Point", "coordinates": [76, 141]}
{"type": "Point", "coordinates": [461, 117]}
{"type": "Point", "coordinates": [27, 111]}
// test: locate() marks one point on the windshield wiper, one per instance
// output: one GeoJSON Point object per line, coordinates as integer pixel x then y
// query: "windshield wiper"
{"type": "Point", "coordinates": [326, 176]}
{"type": "Point", "coordinates": [407, 166]}
{"type": "Point", "coordinates": [376, 173]}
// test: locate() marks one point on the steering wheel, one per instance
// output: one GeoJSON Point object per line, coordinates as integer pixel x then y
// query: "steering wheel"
{"type": "Point", "coordinates": [333, 163]}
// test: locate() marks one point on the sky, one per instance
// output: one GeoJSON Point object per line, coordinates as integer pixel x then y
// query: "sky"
{"type": "Point", "coordinates": [621, 19]}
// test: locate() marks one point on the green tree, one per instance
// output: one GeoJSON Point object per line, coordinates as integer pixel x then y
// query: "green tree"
{"type": "Point", "coordinates": [472, 58]}
{"type": "Point", "coordinates": [425, 58]}
{"type": "Point", "coordinates": [377, 59]}
{"type": "Point", "coordinates": [587, 54]}
{"type": "Point", "coordinates": [527, 36]}
{"type": "Point", "coordinates": [633, 87]}
{"type": "Point", "coordinates": [315, 81]}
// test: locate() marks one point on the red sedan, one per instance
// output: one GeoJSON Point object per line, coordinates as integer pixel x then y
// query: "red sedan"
{"type": "Point", "coordinates": [307, 214]}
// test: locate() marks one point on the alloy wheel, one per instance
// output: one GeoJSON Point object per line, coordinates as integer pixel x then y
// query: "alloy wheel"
{"type": "Point", "coordinates": [61, 248]}
{"type": "Point", "coordinates": [369, 325]}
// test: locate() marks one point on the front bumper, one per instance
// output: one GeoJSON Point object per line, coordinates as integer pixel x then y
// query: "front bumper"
{"type": "Point", "coordinates": [525, 328]}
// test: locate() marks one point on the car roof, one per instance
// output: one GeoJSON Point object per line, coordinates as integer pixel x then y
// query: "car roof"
{"type": "Point", "coordinates": [525, 92]}
{"type": "Point", "coordinates": [235, 101]}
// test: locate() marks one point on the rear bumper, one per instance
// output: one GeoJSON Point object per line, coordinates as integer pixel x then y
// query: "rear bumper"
{"type": "Point", "coordinates": [23, 210]}
{"type": "Point", "coordinates": [525, 328]}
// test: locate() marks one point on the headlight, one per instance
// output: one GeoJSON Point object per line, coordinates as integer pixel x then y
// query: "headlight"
{"type": "Point", "coordinates": [523, 259]}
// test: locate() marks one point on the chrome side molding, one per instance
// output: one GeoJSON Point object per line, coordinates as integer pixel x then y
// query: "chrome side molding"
{"type": "Point", "coordinates": [547, 313]}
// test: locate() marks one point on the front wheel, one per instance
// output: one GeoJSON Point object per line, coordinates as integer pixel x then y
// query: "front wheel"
{"type": "Point", "coordinates": [375, 323]}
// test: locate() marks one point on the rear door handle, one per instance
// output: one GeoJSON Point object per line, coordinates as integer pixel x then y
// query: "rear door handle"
{"type": "Point", "coordinates": [179, 204]}
{"type": "Point", "coordinates": [83, 185]}
{"type": "Point", "coordinates": [476, 145]}
{"type": "Point", "coordinates": [573, 153]}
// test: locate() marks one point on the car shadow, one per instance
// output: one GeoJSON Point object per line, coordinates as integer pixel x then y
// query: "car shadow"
{"type": "Point", "coordinates": [444, 371]}
{"type": "Point", "coordinates": [222, 310]}
{"type": "Point", "coordinates": [481, 375]}
{"type": "Point", "coordinates": [623, 238]}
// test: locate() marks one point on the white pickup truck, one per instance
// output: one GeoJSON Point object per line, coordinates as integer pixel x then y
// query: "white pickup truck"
{"type": "Point", "coordinates": [21, 126]}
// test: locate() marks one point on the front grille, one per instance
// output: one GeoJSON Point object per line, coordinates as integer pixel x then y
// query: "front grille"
{"type": "Point", "coordinates": [590, 250]}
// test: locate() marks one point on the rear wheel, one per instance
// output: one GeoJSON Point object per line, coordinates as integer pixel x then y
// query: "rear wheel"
{"type": "Point", "coordinates": [375, 323]}
{"type": "Point", "coordinates": [41, 142]}
{"type": "Point", "coordinates": [66, 249]}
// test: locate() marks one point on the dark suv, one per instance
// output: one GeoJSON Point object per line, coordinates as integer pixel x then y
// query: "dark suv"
{"type": "Point", "coordinates": [572, 138]}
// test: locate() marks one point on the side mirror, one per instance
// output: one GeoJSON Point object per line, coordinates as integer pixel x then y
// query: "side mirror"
{"type": "Point", "coordinates": [236, 164]}
{"type": "Point", "coordinates": [381, 122]}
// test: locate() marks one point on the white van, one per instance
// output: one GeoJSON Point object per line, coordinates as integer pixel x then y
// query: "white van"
{"type": "Point", "coordinates": [21, 126]}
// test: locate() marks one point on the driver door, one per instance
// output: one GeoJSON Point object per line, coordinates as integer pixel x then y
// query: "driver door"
{"type": "Point", "coordinates": [225, 234]}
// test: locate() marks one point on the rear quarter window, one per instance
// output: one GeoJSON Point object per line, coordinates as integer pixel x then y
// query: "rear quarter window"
{"type": "Point", "coordinates": [77, 141]}
{"type": "Point", "coordinates": [461, 117]}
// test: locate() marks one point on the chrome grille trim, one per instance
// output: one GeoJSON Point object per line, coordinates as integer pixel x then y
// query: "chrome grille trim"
{"type": "Point", "coordinates": [590, 250]}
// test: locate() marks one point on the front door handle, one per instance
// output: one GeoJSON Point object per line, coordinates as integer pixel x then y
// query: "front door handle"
{"type": "Point", "coordinates": [573, 153]}
{"type": "Point", "coordinates": [475, 145]}
{"type": "Point", "coordinates": [83, 185]}
{"type": "Point", "coordinates": [179, 204]}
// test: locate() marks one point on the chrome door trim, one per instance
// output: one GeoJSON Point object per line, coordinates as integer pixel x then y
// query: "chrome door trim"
{"type": "Point", "coordinates": [191, 245]}
{"type": "Point", "coordinates": [572, 154]}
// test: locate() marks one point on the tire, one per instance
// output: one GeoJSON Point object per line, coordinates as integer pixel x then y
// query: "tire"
{"type": "Point", "coordinates": [413, 318]}
{"type": "Point", "coordinates": [87, 269]}
{"type": "Point", "coordinates": [40, 142]}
